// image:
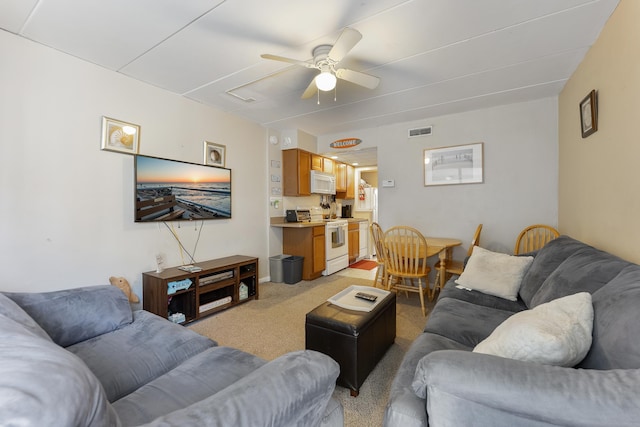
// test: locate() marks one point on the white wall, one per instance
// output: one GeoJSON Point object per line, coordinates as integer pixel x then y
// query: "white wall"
{"type": "Point", "coordinates": [520, 174]}
{"type": "Point", "coordinates": [66, 206]}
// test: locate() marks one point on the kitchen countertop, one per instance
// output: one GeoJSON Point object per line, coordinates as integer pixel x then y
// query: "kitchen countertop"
{"type": "Point", "coordinates": [279, 221]}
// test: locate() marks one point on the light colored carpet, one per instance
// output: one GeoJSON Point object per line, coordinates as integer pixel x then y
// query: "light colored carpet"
{"type": "Point", "coordinates": [274, 325]}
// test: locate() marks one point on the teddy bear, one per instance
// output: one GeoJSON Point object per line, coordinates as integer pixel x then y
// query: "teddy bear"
{"type": "Point", "coordinates": [123, 284]}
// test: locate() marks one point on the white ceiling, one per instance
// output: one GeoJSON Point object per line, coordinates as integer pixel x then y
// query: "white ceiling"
{"type": "Point", "coordinates": [433, 57]}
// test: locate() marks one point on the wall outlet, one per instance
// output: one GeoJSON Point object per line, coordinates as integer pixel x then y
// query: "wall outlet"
{"type": "Point", "coordinates": [275, 202]}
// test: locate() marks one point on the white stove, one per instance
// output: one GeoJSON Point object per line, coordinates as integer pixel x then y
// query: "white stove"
{"type": "Point", "coordinates": [337, 246]}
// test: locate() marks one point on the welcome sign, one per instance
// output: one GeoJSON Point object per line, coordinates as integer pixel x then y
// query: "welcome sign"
{"type": "Point", "coordinates": [345, 143]}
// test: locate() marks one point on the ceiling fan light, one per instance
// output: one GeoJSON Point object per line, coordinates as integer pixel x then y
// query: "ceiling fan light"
{"type": "Point", "coordinates": [326, 81]}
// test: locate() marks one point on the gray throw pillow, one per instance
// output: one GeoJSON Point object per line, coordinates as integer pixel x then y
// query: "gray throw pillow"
{"type": "Point", "coordinates": [74, 315]}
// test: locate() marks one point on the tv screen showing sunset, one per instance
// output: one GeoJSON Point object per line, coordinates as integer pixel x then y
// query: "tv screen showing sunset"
{"type": "Point", "coordinates": [169, 190]}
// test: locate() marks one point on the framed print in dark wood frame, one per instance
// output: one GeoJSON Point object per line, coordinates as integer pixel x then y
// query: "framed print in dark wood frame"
{"type": "Point", "coordinates": [458, 164]}
{"type": "Point", "coordinates": [589, 114]}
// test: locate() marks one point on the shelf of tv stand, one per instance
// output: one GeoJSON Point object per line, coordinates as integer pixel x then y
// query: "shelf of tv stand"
{"type": "Point", "coordinates": [243, 269]}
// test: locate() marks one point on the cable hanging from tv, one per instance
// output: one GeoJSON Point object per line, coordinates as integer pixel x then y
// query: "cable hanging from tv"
{"type": "Point", "coordinates": [181, 246]}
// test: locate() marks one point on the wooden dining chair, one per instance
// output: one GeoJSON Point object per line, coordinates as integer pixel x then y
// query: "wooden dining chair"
{"type": "Point", "coordinates": [534, 237]}
{"type": "Point", "coordinates": [456, 266]}
{"type": "Point", "coordinates": [378, 240]}
{"type": "Point", "coordinates": [406, 262]}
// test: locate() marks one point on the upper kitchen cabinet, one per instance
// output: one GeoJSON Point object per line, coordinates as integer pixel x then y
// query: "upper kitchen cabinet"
{"type": "Point", "coordinates": [341, 177]}
{"type": "Point", "coordinates": [296, 172]}
{"type": "Point", "coordinates": [328, 165]}
{"type": "Point", "coordinates": [320, 163]}
{"type": "Point", "coordinates": [345, 181]}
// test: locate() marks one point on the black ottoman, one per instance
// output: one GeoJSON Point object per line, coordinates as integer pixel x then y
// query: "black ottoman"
{"type": "Point", "coordinates": [357, 340]}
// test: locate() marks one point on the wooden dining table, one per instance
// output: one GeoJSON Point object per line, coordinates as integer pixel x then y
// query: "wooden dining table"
{"type": "Point", "coordinates": [442, 247]}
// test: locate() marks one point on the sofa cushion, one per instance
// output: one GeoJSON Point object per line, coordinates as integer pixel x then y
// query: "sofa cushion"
{"type": "Point", "coordinates": [464, 322]}
{"type": "Point", "coordinates": [129, 357]}
{"type": "Point", "coordinates": [41, 384]}
{"type": "Point", "coordinates": [13, 311]}
{"type": "Point", "coordinates": [73, 315]}
{"type": "Point", "coordinates": [201, 376]}
{"type": "Point", "coordinates": [494, 273]}
{"type": "Point", "coordinates": [547, 259]}
{"type": "Point", "coordinates": [586, 270]}
{"type": "Point", "coordinates": [292, 390]}
{"type": "Point", "coordinates": [616, 325]}
{"type": "Point", "coordinates": [452, 291]}
{"type": "Point", "coordinates": [555, 333]}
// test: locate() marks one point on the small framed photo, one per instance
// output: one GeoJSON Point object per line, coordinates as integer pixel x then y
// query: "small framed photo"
{"type": "Point", "coordinates": [459, 164]}
{"type": "Point", "coordinates": [120, 136]}
{"type": "Point", "coordinates": [214, 154]}
{"type": "Point", "coordinates": [589, 114]}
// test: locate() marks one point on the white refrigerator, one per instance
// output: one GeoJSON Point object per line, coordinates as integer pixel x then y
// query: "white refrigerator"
{"type": "Point", "coordinates": [366, 206]}
{"type": "Point", "coordinates": [367, 200]}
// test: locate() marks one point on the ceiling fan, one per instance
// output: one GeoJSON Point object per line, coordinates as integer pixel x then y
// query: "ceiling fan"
{"type": "Point", "coordinates": [326, 57]}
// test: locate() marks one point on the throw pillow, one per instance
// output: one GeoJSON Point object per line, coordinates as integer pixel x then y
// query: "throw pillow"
{"type": "Point", "coordinates": [555, 333]}
{"type": "Point", "coordinates": [494, 273]}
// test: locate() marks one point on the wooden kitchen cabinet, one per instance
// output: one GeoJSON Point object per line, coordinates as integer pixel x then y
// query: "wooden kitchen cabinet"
{"type": "Point", "coordinates": [319, 251]}
{"type": "Point", "coordinates": [307, 242]}
{"type": "Point", "coordinates": [348, 175]}
{"type": "Point", "coordinates": [296, 172]}
{"type": "Point", "coordinates": [351, 184]}
{"type": "Point", "coordinates": [354, 241]}
{"type": "Point", "coordinates": [316, 162]}
{"type": "Point", "coordinates": [321, 163]}
{"type": "Point", "coordinates": [328, 165]}
{"type": "Point", "coordinates": [341, 177]}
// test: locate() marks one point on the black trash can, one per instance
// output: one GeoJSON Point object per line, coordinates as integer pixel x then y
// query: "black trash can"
{"type": "Point", "coordinates": [292, 269]}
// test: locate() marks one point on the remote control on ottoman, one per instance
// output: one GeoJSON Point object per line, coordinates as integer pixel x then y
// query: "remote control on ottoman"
{"type": "Point", "coordinates": [365, 296]}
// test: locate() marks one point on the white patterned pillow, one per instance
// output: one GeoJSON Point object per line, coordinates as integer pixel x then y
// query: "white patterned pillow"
{"type": "Point", "coordinates": [494, 273]}
{"type": "Point", "coordinates": [555, 333]}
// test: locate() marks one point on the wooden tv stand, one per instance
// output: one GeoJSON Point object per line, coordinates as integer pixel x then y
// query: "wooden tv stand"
{"type": "Point", "coordinates": [216, 287]}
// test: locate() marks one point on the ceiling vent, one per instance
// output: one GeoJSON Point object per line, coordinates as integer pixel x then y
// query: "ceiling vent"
{"type": "Point", "coordinates": [413, 133]}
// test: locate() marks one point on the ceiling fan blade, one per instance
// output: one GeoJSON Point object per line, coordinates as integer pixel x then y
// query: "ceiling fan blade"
{"type": "Point", "coordinates": [346, 41]}
{"type": "Point", "coordinates": [311, 89]}
{"type": "Point", "coordinates": [289, 60]}
{"type": "Point", "coordinates": [359, 78]}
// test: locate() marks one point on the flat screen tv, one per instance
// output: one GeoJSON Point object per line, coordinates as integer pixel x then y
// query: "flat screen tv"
{"type": "Point", "coordinates": [172, 190]}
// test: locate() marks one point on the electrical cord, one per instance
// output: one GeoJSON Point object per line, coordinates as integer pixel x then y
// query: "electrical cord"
{"type": "Point", "coordinates": [182, 248]}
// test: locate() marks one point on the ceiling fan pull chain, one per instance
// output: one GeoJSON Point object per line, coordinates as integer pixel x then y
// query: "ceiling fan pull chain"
{"type": "Point", "coordinates": [318, 97]}
{"type": "Point", "coordinates": [335, 93]}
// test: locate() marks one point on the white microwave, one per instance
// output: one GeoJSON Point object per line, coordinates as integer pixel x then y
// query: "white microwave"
{"type": "Point", "coordinates": [323, 183]}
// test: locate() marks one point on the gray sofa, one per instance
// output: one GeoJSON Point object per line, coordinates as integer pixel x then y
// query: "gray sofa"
{"type": "Point", "coordinates": [82, 357]}
{"type": "Point", "coordinates": [465, 388]}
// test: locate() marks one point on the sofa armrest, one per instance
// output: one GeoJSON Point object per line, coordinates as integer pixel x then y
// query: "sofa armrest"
{"type": "Point", "coordinates": [292, 390]}
{"type": "Point", "coordinates": [465, 388]}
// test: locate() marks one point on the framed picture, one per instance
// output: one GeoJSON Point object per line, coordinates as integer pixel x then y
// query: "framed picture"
{"type": "Point", "coordinates": [589, 114]}
{"type": "Point", "coordinates": [120, 136]}
{"type": "Point", "coordinates": [214, 154]}
{"type": "Point", "coordinates": [459, 164]}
